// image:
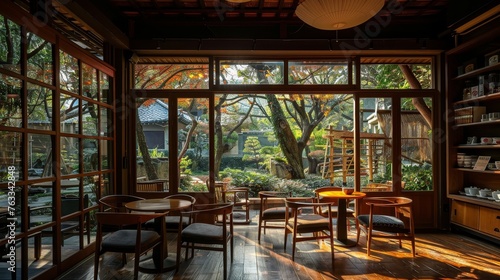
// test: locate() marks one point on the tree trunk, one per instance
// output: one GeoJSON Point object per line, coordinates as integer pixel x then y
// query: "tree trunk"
{"type": "Point", "coordinates": [418, 102]}
{"type": "Point", "coordinates": [285, 137]}
{"type": "Point", "coordinates": [143, 147]}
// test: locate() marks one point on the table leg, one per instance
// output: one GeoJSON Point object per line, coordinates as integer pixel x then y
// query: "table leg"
{"type": "Point", "coordinates": [152, 265]}
{"type": "Point", "coordinates": [341, 239]}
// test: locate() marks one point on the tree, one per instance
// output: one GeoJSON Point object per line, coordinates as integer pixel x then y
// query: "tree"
{"type": "Point", "coordinates": [252, 149]}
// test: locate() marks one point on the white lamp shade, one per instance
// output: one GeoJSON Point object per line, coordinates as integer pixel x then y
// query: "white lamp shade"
{"type": "Point", "coordinates": [337, 14]}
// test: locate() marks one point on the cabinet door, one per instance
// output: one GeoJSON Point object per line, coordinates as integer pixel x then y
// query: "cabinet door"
{"type": "Point", "coordinates": [465, 214]}
{"type": "Point", "coordinates": [489, 221]}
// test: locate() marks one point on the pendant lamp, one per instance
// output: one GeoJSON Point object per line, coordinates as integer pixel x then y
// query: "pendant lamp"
{"type": "Point", "coordinates": [337, 14]}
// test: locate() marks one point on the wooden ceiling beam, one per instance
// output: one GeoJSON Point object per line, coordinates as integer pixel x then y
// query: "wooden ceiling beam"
{"type": "Point", "coordinates": [99, 23]}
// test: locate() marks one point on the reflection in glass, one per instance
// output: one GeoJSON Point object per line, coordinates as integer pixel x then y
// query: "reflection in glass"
{"type": "Point", "coordinates": [69, 114]}
{"type": "Point", "coordinates": [39, 59]}
{"type": "Point", "coordinates": [90, 118]}
{"type": "Point", "coordinates": [10, 155]}
{"type": "Point", "coordinates": [39, 260]}
{"type": "Point", "coordinates": [106, 184]}
{"type": "Point", "coordinates": [90, 157]}
{"type": "Point", "coordinates": [318, 72]}
{"type": "Point", "coordinates": [5, 193]}
{"type": "Point", "coordinates": [248, 72]}
{"type": "Point", "coordinates": [376, 144]}
{"type": "Point", "coordinates": [106, 122]}
{"type": "Point", "coordinates": [39, 156]}
{"type": "Point", "coordinates": [69, 73]}
{"type": "Point", "coordinates": [89, 81]}
{"type": "Point", "coordinates": [39, 107]}
{"type": "Point", "coordinates": [106, 154]}
{"type": "Point", "coordinates": [10, 101]}
{"type": "Point", "coordinates": [10, 45]}
{"type": "Point", "coordinates": [70, 155]}
{"type": "Point", "coordinates": [104, 88]}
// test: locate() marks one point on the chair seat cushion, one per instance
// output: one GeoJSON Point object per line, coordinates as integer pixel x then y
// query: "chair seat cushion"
{"type": "Point", "coordinates": [384, 223]}
{"type": "Point", "coordinates": [203, 233]}
{"type": "Point", "coordinates": [275, 213]}
{"type": "Point", "coordinates": [310, 223]}
{"type": "Point", "coordinates": [124, 240]}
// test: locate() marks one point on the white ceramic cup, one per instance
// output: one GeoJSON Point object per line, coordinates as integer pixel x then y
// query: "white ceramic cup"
{"type": "Point", "coordinates": [486, 140]}
{"type": "Point", "coordinates": [497, 164]}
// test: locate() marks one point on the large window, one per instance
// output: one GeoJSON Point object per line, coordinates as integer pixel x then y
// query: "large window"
{"type": "Point", "coordinates": [56, 145]}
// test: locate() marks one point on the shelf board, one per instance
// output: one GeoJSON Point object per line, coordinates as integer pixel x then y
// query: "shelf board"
{"type": "Point", "coordinates": [465, 146]}
{"type": "Point", "coordinates": [475, 200]}
{"type": "Point", "coordinates": [474, 101]}
{"type": "Point", "coordinates": [478, 171]}
{"type": "Point", "coordinates": [478, 123]}
{"type": "Point", "coordinates": [476, 72]}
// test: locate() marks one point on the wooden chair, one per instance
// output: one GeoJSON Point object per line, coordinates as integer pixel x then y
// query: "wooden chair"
{"type": "Point", "coordinates": [272, 209]}
{"type": "Point", "coordinates": [300, 222]}
{"type": "Point", "coordinates": [350, 212]}
{"type": "Point", "coordinates": [137, 241]}
{"type": "Point", "coordinates": [116, 202]}
{"type": "Point", "coordinates": [204, 233]}
{"type": "Point", "coordinates": [239, 197]}
{"type": "Point", "coordinates": [150, 186]}
{"type": "Point", "coordinates": [69, 205]}
{"type": "Point", "coordinates": [397, 225]}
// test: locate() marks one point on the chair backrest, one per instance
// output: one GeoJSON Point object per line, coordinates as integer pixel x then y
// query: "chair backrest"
{"type": "Point", "coordinates": [150, 186]}
{"type": "Point", "coordinates": [267, 196]}
{"type": "Point", "coordinates": [206, 213]}
{"type": "Point", "coordinates": [403, 206]}
{"type": "Point", "coordinates": [326, 189]}
{"type": "Point", "coordinates": [124, 219]}
{"type": "Point", "coordinates": [116, 202]}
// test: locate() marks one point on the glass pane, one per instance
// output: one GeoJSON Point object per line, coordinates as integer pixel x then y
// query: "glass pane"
{"type": "Point", "coordinates": [70, 155]}
{"type": "Point", "coordinates": [10, 101]}
{"type": "Point", "coordinates": [69, 114]}
{"type": "Point", "coordinates": [89, 82]}
{"type": "Point", "coordinates": [90, 156]}
{"type": "Point", "coordinates": [106, 154]}
{"type": "Point", "coordinates": [69, 73]}
{"type": "Point", "coordinates": [318, 72]}
{"type": "Point", "coordinates": [90, 189]}
{"type": "Point", "coordinates": [90, 118]}
{"type": "Point", "coordinates": [391, 76]}
{"type": "Point", "coordinates": [193, 143]}
{"type": "Point", "coordinates": [39, 107]}
{"type": "Point", "coordinates": [40, 204]}
{"type": "Point", "coordinates": [152, 145]}
{"type": "Point", "coordinates": [40, 156]}
{"type": "Point", "coordinates": [40, 254]}
{"type": "Point", "coordinates": [244, 72]}
{"type": "Point", "coordinates": [171, 76]}
{"type": "Point", "coordinates": [106, 185]}
{"type": "Point", "coordinates": [416, 146]}
{"type": "Point", "coordinates": [106, 121]}
{"type": "Point", "coordinates": [39, 59]}
{"type": "Point", "coordinates": [105, 94]}
{"type": "Point", "coordinates": [10, 156]}
{"type": "Point", "coordinates": [10, 45]}
{"type": "Point", "coordinates": [11, 204]}
{"type": "Point", "coordinates": [376, 142]}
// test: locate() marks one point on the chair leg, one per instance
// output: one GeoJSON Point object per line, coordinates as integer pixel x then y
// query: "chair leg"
{"type": "Point", "coordinates": [294, 243]}
{"type": "Point", "coordinates": [38, 246]}
{"type": "Point", "coordinates": [224, 262]}
{"type": "Point", "coordinates": [136, 265]}
{"type": "Point", "coordinates": [368, 241]}
{"type": "Point", "coordinates": [96, 264]}
{"type": "Point", "coordinates": [284, 244]}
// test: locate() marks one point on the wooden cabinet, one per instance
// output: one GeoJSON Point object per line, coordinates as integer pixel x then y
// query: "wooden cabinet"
{"type": "Point", "coordinates": [489, 221]}
{"type": "Point", "coordinates": [473, 89]}
{"type": "Point", "coordinates": [465, 214]}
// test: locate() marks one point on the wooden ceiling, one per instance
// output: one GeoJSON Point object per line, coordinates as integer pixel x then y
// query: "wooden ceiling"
{"type": "Point", "coordinates": [184, 24]}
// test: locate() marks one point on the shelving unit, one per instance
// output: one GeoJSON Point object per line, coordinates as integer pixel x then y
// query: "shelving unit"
{"type": "Point", "coordinates": [476, 215]}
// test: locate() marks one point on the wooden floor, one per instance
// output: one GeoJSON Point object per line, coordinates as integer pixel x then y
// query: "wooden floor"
{"type": "Point", "coordinates": [439, 256]}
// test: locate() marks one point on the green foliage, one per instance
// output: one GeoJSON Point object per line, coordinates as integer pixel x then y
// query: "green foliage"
{"type": "Point", "coordinates": [269, 153]}
{"type": "Point", "coordinates": [184, 165]}
{"type": "Point", "coordinates": [255, 181]}
{"type": "Point", "coordinates": [155, 153]}
{"type": "Point", "coordinates": [417, 178]}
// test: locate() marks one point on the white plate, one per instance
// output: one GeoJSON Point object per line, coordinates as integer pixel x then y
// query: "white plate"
{"type": "Point", "coordinates": [470, 194]}
{"type": "Point", "coordinates": [491, 198]}
{"type": "Point", "coordinates": [494, 169]}
{"type": "Point", "coordinates": [482, 196]}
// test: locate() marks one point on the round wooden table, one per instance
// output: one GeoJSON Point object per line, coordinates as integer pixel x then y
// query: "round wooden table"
{"type": "Point", "coordinates": [341, 236]}
{"type": "Point", "coordinates": [158, 205]}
